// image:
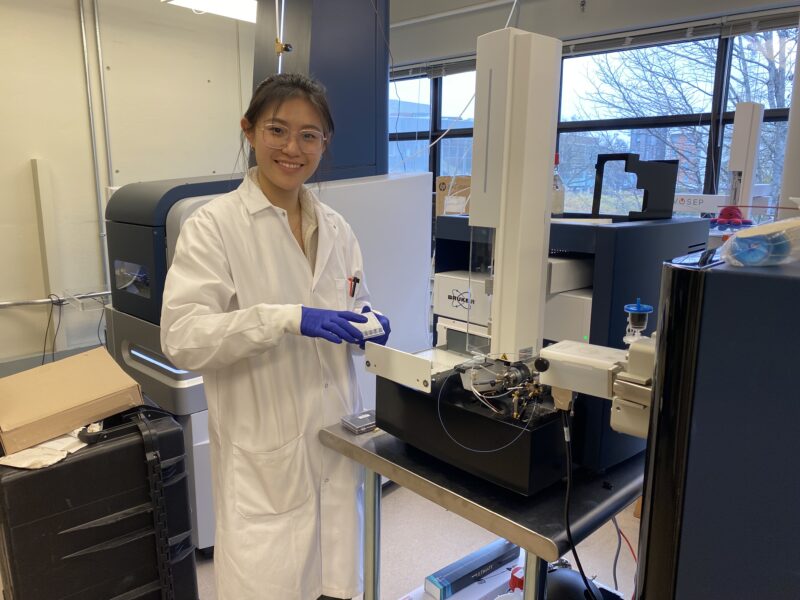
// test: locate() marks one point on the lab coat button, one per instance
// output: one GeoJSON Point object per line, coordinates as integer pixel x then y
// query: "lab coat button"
{"type": "Point", "coordinates": [326, 386]}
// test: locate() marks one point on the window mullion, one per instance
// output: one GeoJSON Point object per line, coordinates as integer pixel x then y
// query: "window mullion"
{"type": "Point", "coordinates": [718, 103]}
{"type": "Point", "coordinates": [436, 116]}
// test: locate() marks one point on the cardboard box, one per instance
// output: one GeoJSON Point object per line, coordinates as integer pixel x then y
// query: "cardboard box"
{"type": "Point", "coordinates": [54, 399]}
{"type": "Point", "coordinates": [452, 195]}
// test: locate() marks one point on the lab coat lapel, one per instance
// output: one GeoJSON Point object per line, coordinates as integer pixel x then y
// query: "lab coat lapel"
{"type": "Point", "coordinates": [328, 233]}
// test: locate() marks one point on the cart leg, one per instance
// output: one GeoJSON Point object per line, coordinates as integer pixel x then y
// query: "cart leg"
{"type": "Point", "coordinates": [372, 535]}
{"type": "Point", "coordinates": [535, 578]}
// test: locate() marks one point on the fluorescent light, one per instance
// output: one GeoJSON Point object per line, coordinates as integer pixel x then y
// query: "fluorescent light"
{"type": "Point", "coordinates": [244, 10]}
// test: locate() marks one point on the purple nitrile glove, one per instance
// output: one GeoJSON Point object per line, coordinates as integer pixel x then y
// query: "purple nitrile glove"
{"type": "Point", "coordinates": [384, 321]}
{"type": "Point", "coordinates": [332, 325]}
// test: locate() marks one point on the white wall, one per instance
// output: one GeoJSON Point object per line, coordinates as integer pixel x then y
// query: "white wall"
{"type": "Point", "coordinates": [174, 90]}
{"type": "Point", "coordinates": [176, 87]}
{"type": "Point", "coordinates": [456, 35]}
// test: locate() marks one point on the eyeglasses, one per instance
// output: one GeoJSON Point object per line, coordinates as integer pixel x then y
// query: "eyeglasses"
{"type": "Point", "coordinates": [309, 141]}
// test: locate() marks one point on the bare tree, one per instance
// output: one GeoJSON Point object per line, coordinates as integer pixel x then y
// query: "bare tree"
{"type": "Point", "coordinates": [678, 79]}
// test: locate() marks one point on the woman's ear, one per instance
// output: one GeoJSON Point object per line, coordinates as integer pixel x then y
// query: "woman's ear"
{"type": "Point", "coordinates": [248, 130]}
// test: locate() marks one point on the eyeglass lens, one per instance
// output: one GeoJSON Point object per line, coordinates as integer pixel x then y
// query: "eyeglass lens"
{"type": "Point", "coordinates": [277, 136]}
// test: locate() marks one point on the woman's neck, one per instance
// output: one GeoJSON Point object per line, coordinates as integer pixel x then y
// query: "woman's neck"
{"type": "Point", "coordinates": [288, 200]}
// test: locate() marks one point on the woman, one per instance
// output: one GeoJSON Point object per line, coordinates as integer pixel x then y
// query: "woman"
{"type": "Point", "coordinates": [261, 298]}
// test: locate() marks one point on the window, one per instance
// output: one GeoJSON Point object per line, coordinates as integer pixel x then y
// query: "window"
{"type": "Point", "coordinates": [578, 155]}
{"type": "Point", "coordinates": [409, 124]}
{"type": "Point", "coordinates": [677, 79]}
{"type": "Point", "coordinates": [670, 101]}
{"type": "Point", "coordinates": [458, 101]}
{"type": "Point", "coordinates": [410, 105]}
{"type": "Point", "coordinates": [673, 101]}
{"type": "Point", "coordinates": [455, 156]}
{"type": "Point", "coordinates": [655, 102]}
{"type": "Point", "coordinates": [762, 68]}
{"type": "Point", "coordinates": [424, 109]}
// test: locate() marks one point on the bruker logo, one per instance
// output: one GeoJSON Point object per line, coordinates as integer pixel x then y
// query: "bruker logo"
{"type": "Point", "coordinates": [460, 299]}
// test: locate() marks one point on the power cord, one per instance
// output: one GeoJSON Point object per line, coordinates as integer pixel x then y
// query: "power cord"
{"type": "Point", "coordinates": [630, 546]}
{"type": "Point", "coordinates": [616, 554]}
{"type": "Point", "coordinates": [54, 301]}
{"type": "Point", "coordinates": [635, 560]}
{"type": "Point", "coordinates": [568, 444]}
{"type": "Point", "coordinates": [46, 331]}
{"type": "Point", "coordinates": [100, 321]}
{"type": "Point", "coordinates": [60, 303]}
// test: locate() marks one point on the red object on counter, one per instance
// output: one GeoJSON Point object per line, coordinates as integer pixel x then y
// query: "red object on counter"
{"type": "Point", "coordinates": [517, 579]}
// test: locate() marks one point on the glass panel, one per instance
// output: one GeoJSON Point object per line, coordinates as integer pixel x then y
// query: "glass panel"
{"type": "Point", "coordinates": [675, 79]}
{"type": "Point", "coordinates": [458, 101]}
{"type": "Point", "coordinates": [762, 68]}
{"type": "Point", "coordinates": [578, 156]}
{"type": "Point", "coordinates": [408, 157]}
{"type": "Point", "coordinates": [455, 156]}
{"type": "Point", "coordinates": [769, 168]}
{"type": "Point", "coordinates": [410, 105]}
{"type": "Point", "coordinates": [131, 278]}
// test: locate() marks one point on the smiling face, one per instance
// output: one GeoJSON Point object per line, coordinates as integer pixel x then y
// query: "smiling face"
{"type": "Point", "coordinates": [281, 172]}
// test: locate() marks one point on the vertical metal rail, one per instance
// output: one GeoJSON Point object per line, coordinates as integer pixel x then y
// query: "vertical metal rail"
{"type": "Point", "coordinates": [103, 98]}
{"type": "Point", "coordinates": [93, 135]}
{"type": "Point", "coordinates": [372, 535]}
{"type": "Point", "coordinates": [535, 578]}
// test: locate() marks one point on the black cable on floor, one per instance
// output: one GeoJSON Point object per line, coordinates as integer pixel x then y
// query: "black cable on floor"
{"type": "Point", "coordinates": [616, 554]}
{"type": "Point", "coordinates": [568, 443]}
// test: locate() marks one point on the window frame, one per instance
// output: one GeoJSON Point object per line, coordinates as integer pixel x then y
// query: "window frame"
{"type": "Point", "coordinates": [716, 120]}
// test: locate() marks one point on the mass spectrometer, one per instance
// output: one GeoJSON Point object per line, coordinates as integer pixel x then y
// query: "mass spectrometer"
{"type": "Point", "coordinates": [508, 281]}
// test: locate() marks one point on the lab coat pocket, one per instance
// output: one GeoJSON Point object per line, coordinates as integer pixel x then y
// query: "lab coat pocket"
{"type": "Point", "coordinates": [271, 483]}
{"type": "Point", "coordinates": [343, 299]}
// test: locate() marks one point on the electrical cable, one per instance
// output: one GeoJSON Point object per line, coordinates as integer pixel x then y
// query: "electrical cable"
{"type": "Point", "coordinates": [455, 441]}
{"type": "Point", "coordinates": [100, 321]}
{"type": "Point", "coordinates": [484, 401]}
{"type": "Point", "coordinates": [60, 303]}
{"type": "Point", "coordinates": [391, 67]}
{"type": "Point", "coordinates": [616, 554]}
{"type": "Point", "coordinates": [510, 14]}
{"type": "Point", "coordinates": [568, 444]}
{"type": "Point", "coordinates": [99, 324]}
{"type": "Point", "coordinates": [46, 331]}
{"type": "Point", "coordinates": [449, 129]}
{"type": "Point", "coordinates": [630, 546]}
{"type": "Point", "coordinates": [393, 82]}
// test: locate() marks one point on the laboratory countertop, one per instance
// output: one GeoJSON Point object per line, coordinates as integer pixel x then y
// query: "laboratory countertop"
{"type": "Point", "coordinates": [535, 523]}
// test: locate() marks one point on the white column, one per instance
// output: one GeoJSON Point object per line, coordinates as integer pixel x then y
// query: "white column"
{"type": "Point", "coordinates": [516, 113]}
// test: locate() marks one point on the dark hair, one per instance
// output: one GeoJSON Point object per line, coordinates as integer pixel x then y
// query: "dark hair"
{"type": "Point", "coordinates": [276, 89]}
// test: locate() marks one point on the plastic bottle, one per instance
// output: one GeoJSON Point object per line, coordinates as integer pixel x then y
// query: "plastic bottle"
{"type": "Point", "coordinates": [558, 190]}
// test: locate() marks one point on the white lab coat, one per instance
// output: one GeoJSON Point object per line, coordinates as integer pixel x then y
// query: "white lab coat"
{"type": "Point", "coordinates": [289, 511]}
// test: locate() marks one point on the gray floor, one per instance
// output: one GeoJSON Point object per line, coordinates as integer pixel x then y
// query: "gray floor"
{"type": "Point", "coordinates": [418, 537]}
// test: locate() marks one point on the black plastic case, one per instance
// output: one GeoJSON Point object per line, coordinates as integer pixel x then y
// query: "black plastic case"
{"type": "Point", "coordinates": [109, 522]}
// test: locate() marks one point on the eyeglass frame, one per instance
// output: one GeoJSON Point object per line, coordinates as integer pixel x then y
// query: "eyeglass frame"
{"type": "Point", "coordinates": [264, 127]}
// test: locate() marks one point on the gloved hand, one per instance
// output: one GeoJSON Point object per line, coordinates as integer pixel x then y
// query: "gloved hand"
{"type": "Point", "coordinates": [384, 321]}
{"type": "Point", "coordinates": [331, 325]}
